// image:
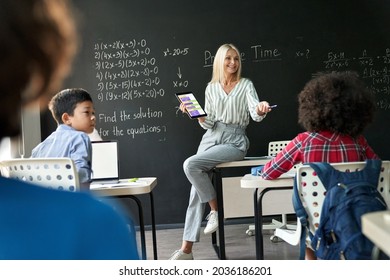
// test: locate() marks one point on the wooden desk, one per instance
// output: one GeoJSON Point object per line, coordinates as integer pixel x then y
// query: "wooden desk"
{"type": "Point", "coordinates": [376, 226]}
{"type": "Point", "coordinates": [217, 181]}
{"type": "Point", "coordinates": [126, 189]}
{"type": "Point", "coordinates": [249, 181]}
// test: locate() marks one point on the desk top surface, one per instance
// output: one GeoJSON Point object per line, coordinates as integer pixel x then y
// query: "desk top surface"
{"type": "Point", "coordinates": [125, 187]}
{"type": "Point", "coordinates": [250, 181]}
{"type": "Point", "coordinates": [376, 226]}
{"type": "Point", "coordinates": [248, 161]}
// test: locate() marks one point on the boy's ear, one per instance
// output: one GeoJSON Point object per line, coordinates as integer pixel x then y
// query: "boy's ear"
{"type": "Point", "coordinates": [66, 118]}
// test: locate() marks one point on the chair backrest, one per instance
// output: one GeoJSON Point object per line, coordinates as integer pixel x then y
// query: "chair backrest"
{"type": "Point", "coordinates": [312, 192]}
{"type": "Point", "coordinates": [275, 147]}
{"type": "Point", "coordinates": [55, 173]}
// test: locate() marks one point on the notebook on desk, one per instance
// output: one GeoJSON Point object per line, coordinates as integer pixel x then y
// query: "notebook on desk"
{"type": "Point", "coordinates": [105, 162]}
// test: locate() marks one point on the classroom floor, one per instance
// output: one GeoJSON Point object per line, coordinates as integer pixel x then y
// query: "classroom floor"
{"type": "Point", "coordinates": [239, 246]}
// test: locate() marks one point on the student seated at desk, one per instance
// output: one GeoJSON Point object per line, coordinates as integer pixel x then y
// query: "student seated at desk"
{"type": "Point", "coordinates": [74, 113]}
{"type": "Point", "coordinates": [334, 108]}
{"type": "Point", "coordinates": [36, 223]}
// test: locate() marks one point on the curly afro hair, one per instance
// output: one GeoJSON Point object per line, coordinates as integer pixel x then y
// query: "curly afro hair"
{"type": "Point", "coordinates": [338, 102]}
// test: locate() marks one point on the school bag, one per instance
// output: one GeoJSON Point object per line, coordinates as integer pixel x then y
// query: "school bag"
{"type": "Point", "coordinates": [349, 195]}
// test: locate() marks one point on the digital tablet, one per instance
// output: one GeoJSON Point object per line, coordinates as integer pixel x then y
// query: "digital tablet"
{"type": "Point", "coordinates": [194, 110]}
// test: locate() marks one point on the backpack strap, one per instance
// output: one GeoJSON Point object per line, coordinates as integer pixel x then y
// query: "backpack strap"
{"type": "Point", "coordinates": [331, 177]}
{"type": "Point", "coordinates": [303, 218]}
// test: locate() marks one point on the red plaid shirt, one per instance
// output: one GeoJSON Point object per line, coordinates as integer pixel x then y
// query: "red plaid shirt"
{"type": "Point", "coordinates": [323, 146]}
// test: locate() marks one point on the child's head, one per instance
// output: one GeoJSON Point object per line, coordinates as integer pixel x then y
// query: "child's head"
{"type": "Point", "coordinates": [337, 102]}
{"type": "Point", "coordinates": [37, 48]}
{"type": "Point", "coordinates": [74, 107]}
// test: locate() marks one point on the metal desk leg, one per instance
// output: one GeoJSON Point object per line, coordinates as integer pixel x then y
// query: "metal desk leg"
{"type": "Point", "coordinates": [220, 250]}
{"type": "Point", "coordinates": [153, 226]}
{"type": "Point", "coordinates": [141, 225]}
{"type": "Point", "coordinates": [258, 208]}
{"type": "Point", "coordinates": [258, 227]}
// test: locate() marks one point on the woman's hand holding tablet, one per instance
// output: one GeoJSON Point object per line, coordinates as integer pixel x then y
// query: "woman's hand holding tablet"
{"type": "Point", "coordinates": [192, 106]}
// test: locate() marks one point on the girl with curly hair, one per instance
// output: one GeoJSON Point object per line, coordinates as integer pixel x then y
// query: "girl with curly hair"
{"type": "Point", "coordinates": [334, 108]}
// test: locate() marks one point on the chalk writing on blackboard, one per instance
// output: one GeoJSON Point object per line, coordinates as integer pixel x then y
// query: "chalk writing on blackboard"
{"type": "Point", "coordinates": [180, 83]}
{"type": "Point", "coordinates": [302, 53]}
{"type": "Point", "coordinates": [127, 72]}
{"type": "Point", "coordinates": [373, 69]}
{"type": "Point", "coordinates": [176, 51]}
{"type": "Point", "coordinates": [262, 54]}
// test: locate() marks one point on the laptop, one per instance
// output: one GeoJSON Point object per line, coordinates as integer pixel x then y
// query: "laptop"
{"type": "Point", "coordinates": [105, 162]}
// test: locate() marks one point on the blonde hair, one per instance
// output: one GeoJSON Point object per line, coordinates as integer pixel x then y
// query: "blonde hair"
{"type": "Point", "coordinates": [218, 64]}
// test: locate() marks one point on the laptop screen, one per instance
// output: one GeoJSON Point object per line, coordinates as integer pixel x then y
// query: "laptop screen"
{"type": "Point", "coordinates": [105, 163]}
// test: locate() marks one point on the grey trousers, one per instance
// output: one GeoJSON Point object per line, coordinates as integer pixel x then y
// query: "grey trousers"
{"type": "Point", "coordinates": [223, 143]}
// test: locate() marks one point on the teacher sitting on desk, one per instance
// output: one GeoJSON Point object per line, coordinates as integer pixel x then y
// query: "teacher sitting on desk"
{"type": "Point", "coordinates": [229, 102]}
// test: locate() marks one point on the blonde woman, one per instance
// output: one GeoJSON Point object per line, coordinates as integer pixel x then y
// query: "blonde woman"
{"type": "Point", "coordinates": [230, 102]}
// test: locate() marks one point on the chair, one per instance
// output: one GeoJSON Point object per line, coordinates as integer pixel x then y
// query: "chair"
{"type": "Point", "coordinates": [274, 148]}
{"type": "Point", "coordinates": [312, 194]}
{"type": "Point", "coordinates": [56, 173]}
{"type": "Point", "coordinates": [61, 174]}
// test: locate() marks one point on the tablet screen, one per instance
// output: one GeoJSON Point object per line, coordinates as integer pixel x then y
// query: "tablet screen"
{"type": "Point", "coordinates": [194, 110]}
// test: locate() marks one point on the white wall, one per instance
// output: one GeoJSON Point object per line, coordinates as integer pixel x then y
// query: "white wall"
{"type": "Point", "coordinates": [30, 137]}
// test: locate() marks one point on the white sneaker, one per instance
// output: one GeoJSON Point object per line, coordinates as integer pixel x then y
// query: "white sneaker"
{"type": "Point", "coordinates": [212, 223]}
{"type": "Point", "coordinates": [180, 255]}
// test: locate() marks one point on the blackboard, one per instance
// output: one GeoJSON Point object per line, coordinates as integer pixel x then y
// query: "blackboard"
{"type": "Point", "coordinates": [136, 54]}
